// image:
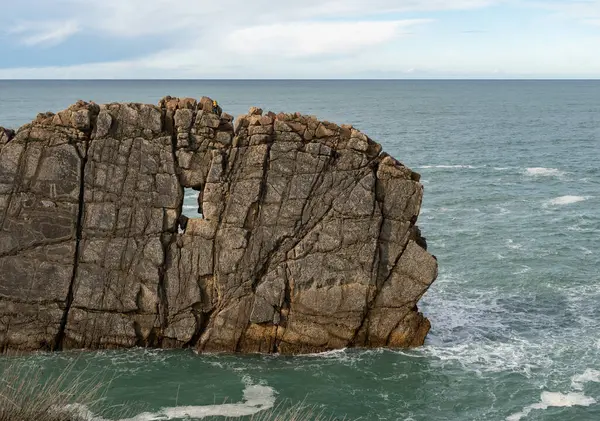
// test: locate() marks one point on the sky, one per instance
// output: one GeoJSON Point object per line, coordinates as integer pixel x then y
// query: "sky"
{"type": "Point", "coordinates": [289, 39]}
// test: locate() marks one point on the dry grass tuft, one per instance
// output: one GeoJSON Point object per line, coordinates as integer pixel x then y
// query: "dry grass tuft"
{"type": "Point", "coordinates": [26, 394]}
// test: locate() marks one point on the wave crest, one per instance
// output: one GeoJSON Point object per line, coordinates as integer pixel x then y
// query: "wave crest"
{"type": "Point", "coordinates": [544, 172]}
{"type": "Point", "coordinates": [566, 200]}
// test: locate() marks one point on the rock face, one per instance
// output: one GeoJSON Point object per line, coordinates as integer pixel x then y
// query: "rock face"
{"type": "Point", "coordinates": [307, 242]}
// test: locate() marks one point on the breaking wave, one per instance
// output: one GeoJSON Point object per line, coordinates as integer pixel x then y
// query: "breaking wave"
{"type": "Point", "coordinates": [544, 172]}
{"type": "Point", "coordinates": [565, 200]}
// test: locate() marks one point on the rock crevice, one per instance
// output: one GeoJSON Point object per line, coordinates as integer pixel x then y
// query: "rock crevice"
{"type": "Point", "coordinates": [307, 240]}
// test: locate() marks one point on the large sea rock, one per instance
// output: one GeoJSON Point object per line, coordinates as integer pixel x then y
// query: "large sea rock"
{"type": "Point", "coordinates": [307, 241]}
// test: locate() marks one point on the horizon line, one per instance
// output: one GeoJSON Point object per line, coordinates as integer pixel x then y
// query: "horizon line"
{"type": "Point", "coordinates": [416, 79]}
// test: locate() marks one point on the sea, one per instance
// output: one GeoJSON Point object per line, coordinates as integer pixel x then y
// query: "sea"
{"type": "Point", "coordinates": [511, 171]}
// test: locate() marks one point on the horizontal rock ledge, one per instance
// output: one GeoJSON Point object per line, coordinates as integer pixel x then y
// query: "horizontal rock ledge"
{"type": "Point", "coordinates": [308, 239]}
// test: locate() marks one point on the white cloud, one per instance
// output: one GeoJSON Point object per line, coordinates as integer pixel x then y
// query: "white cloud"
{"type": "Point", "coordinates": [201, 38]}
{"type": "Point", "coordinates": [131, 18]}
{"type": "Point", "coordinates": [585, 11]}
{"type": "Point", "coordinates": [315, 38]}
{"type": "Point", "coordinates": [46, 33]}
{"type": "Point", "coordinates": [566, 58]}
{"type": "Point", "coordinates": [309, 38]}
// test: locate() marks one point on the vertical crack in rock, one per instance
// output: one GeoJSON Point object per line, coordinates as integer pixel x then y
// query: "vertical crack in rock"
{"type": "Point", "coordinates": [202, 321]}
{"type": "Point", "coordinates": [258, 204]}
{"type": "Point", "coordinates": [169, 237]}
{"type": "Point", "coordinates": [83, 157]}
{"type": "Point", "coordinates": [163, 305]}
{"type": "Point", "coordinates": [283, 311]}
{"type": "Point", "coordinates": [377, 206]}
{"type": "Point", "coordinates": [261, 197]}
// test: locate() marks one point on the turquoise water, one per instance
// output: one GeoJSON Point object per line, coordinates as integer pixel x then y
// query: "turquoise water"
{"type": "Point", "coordinates": [511, 211]}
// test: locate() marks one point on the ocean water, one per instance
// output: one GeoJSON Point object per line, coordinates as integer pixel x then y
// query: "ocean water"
{"type": "Point", "coordinates": [511, 210]}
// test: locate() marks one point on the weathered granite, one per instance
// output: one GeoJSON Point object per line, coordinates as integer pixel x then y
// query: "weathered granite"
{"type": "Point", "coordinates": [307, 243]}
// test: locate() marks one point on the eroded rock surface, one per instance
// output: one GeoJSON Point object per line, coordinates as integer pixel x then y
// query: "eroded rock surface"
{"type": "Point", "coordinates": [307, 242]}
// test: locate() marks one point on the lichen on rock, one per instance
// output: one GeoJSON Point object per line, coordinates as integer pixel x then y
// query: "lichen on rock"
{"type": "Point", "coordinates": [308, 240]}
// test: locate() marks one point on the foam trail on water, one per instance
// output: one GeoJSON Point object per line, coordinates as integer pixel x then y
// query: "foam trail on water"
{"type": "Point", "coordinates": [446, 166]}
{"type": "Point", "coordinates": [556, 399]}
{"type": "Point", "coordinates": [544, 172]}
{"type": "Point", "coordinates": [565, 200]}
{"type": "Point", "coordinates": [328, 354]}
{"type": "Point", "coordinates": [589, 375]}
{"type": "Point", "coordinates": [257, 398]}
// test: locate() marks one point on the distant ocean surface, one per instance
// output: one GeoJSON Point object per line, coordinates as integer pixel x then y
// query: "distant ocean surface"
{"type": "Point", "coordinates": [511, 171]}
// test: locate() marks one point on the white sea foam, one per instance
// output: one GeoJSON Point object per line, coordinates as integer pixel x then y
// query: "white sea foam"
{"type": "Point", "coordinates": [447, 166]}
{"type": "Point", "coordinates": [524, 269]}
{"type": "Point", "coordinates": [555, 399]}
{"type": "Point", "coordinates": [544, 172]}
{"type": "Point", "coordinates": [334, 353]}
{"type": "Point", "coordinates": [565, 200]}
{"type": "Point", "coordinates": [587, 229]}
{"type": "Point", "coordinates": [589, 375]}
{"type": "Point", "coordinates": [463, 322]}
{"type": "Point", "coordinates": [485, 356]}
{"type": "Point", "coordinates": [512, 245]}
{"type": "Point", "coordinates": [257, 398]}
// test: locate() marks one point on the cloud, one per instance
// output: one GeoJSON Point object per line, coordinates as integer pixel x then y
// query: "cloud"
{"type": "Point", "coordinates": [184, 18]}
{"type": "Point", "coordinates": [45, 33]}
{"type": "Point", "coordinates": [303, 39]}
{"type": "Point", "coordinates": [584, 11]}
{"type": "Point", "coordinates": [315, 38]}
{"type": "Point", "coordinates": [243, 52]}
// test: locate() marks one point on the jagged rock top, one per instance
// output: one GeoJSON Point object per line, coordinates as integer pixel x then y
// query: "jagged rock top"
{"type": "Point", "coordinates": [307, 242]}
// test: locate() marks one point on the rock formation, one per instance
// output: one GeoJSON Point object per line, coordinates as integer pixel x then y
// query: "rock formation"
{"type": "Point", "coordinates": [307, 241]}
